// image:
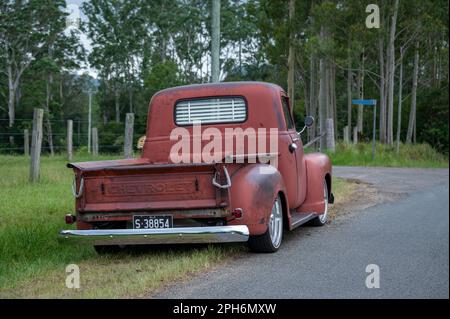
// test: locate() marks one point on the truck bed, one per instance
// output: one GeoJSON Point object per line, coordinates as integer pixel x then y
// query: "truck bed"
{"type": "Point", "coordinates": [137, 185]}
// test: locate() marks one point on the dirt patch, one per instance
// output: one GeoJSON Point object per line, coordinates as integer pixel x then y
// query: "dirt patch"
{"type": "Point", "coordinates": [358, 195]}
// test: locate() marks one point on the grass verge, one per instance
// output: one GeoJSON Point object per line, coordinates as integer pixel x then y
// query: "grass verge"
{"type": "Point", "coordinates": [33, 262]}
{"type": "Point", "coordinates": [409, 155]}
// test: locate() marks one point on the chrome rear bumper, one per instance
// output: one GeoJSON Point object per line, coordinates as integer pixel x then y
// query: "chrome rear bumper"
{"type": "Point", "coordinates": [215, 234]}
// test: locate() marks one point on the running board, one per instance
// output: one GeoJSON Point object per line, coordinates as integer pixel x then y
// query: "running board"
{"type": "Point", "coordinates": [298, 219]}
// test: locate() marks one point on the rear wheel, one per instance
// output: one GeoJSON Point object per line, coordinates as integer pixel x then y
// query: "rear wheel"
{"type": "Point", "coordinates": [322, 218]}
{"type": "Point", "coordinates": [270, 241]}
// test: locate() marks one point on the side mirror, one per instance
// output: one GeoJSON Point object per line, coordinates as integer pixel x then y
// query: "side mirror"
{"type": "Point", "coordinates": [140, 143]}
{"type": "Point", "coordinates": [309, 121]}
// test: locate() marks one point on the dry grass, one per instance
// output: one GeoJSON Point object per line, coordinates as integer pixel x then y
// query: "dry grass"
{"type": "Point", "coordinates": [125, 275]}
{"type": "Point", "coordinates": [344, 192]}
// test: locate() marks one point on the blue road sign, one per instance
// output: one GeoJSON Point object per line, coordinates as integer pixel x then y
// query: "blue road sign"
{"type": "Point", "coordinates": [364, 102]}
{"type": "Point", "coordinates": [374, 104]}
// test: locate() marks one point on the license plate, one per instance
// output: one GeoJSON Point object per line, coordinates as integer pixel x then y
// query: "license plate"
{"type": "Point", "coordinates": [152, 221]}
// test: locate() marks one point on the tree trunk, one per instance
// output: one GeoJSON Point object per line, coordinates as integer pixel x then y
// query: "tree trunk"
{"type": "Point", "coordinates": [330, 136]}
{"type": "Point", "coordinates": [306, 98]}
{"type": "Point", "coordinates": [163, 51]}
{"type": "Point", "coordinates": [328, 89]}
{"type": "Point", "coordinates": [61, 91]}
{"type": "Point", "coordinates": [48, 124]}
{"type": "Point", "coordinates": [400, 88]}
{"type": "Point", "coordinates": [316, 102]}
{"type": "Point", "coordinates": [312, 94]}
{"type": "Point", "coordinates": [361, 95]}
{"type": "Point", "coordinates": [14, 72]}
{"type": "Point", "coordinates": [322, 97]}
{"type": "Point", "coordinates": [434, 75]}
{"type": "Point", "coordinates": [412, 113]}
{"type": "Point", "coordinates": [322, 103]}
{"type": "Point", "coordinates": [330, 97]}
{"type": "Point", "coordinates": [18, 95]}
{"type": "Point", "coordinates": [240, 56]}
{"type": "Point", "coordinates": [333, 100]}
{"type": "Point", "coordinates": [291, 56]}
{"type": "Point", "coordinates": [11, 97]}
{"type": "Point", "coordinates": [130, 98]}
{"type": "Point", "coordinates": [349, 88]}
{"type": "Point", "coordinates": [391, 79]}
{"type": "Point", "coordinates": [116, 101]}
{"type": "Point", "coordinates": [382, 91]}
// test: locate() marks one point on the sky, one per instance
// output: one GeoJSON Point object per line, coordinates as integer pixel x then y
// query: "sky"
{"type": "Point", "coordinates": [74, 9]}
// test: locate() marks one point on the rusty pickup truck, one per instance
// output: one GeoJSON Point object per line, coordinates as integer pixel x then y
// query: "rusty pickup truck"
{"type": "Point", "coordinates": [220, 163]}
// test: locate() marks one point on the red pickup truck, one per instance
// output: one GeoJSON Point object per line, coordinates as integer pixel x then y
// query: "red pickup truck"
{"type": "Point", "coordinates": [220, 163]}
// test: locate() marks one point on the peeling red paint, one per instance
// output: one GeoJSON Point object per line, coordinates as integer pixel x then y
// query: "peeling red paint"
{"type": "Point", "coordinates": [153, 184]}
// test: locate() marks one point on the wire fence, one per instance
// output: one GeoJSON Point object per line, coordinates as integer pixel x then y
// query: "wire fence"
{"type": "Point", "coordinates": [110, 135]}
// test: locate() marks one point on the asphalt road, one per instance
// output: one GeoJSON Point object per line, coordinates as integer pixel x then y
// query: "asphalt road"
{"type": "Point", "coordinates": [406, 237]}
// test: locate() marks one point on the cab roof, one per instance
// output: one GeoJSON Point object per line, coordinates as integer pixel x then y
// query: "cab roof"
{"type": "Point", "coordinates": [221, 87]}
{"type": "Point", "coordinates": [263, 102]}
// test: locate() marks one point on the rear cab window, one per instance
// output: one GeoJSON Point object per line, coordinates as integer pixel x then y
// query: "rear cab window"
{"type": "Point", "coordinates": [217, 110]}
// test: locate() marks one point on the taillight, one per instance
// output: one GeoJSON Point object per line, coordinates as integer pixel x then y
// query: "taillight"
{"type": "Point", "coordinates": [70, 219]}
{"type": "Point", "coordinates": [237, 213]}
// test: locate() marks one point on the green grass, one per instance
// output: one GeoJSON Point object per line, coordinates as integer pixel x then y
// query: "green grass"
{"type": "Point", "coordinates": [30, 216]}
{"type": "Point", "coordinates": [409, 155]}
{"type": "Point", "coordinates": [32, 261]}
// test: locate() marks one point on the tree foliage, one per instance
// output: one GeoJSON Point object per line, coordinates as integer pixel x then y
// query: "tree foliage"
{"type": "Point", "coordinates": [139, 47]}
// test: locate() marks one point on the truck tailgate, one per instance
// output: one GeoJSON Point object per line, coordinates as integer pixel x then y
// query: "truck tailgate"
{"type": "Point", "coordinates": [139, 186]}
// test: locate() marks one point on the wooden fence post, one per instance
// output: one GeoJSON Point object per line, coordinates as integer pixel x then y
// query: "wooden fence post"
{"type": "Point", "coordinates": [94, 141]}
{"type": "Point", "coordinates": [26, 143]}
{"type": "Point", "coordinates": [128, 142]}
{"type": "Point", "coordinates": [69, 139]}
{"type": "Point", "coordinates": [355, 135]}
{"type": "Point", "coordinates": [330, 135]}
{"type": "Point", "coordinates": [36, 143]}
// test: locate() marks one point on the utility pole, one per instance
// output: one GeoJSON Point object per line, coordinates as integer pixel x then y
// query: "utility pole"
{"type": "Point", "coordinates": [215, 41]}
{"type": "Point", "coordinates": [361, 103]}
{"type": "Point", "coordinates": [89, 121]}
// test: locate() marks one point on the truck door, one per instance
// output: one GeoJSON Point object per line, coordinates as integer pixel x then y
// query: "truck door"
{"type": "Point", "coordinates": [295, 149]}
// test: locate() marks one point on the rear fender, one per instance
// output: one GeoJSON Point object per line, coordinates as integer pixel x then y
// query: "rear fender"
{"type": "Point", "coordinates": [254, 189]}
{"type": "Point", "coordinates": [318, 170]}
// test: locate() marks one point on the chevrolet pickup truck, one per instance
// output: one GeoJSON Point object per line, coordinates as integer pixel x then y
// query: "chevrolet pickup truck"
{"type": "Point", "coordinates": [220, 163]}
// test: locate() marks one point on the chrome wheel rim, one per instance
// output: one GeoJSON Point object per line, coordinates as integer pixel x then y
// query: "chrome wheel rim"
{"type": "Point", "coordinates": [324, 216]}
{"type": "Point", "coordinates": [276, 223]}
